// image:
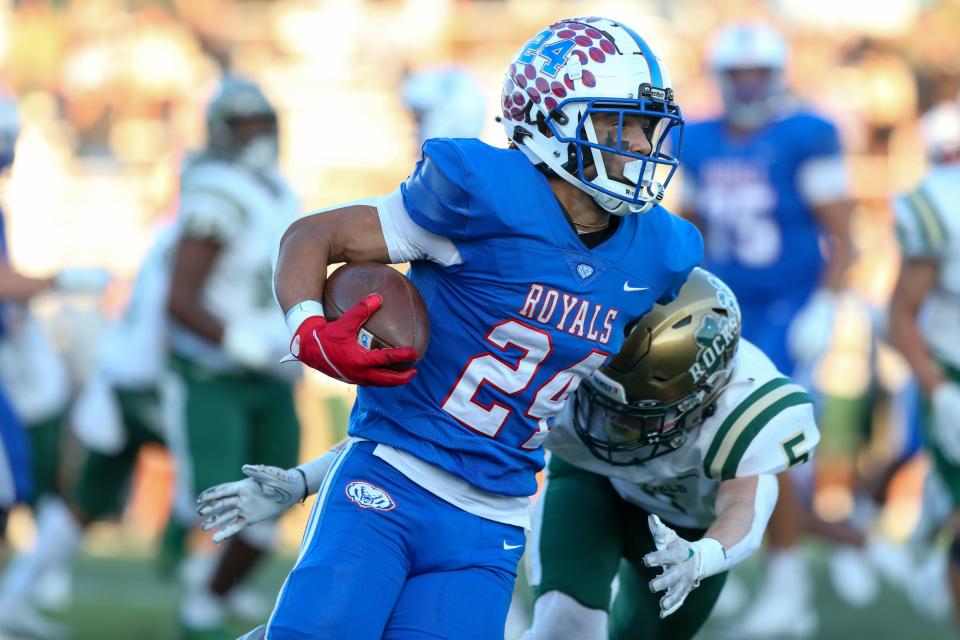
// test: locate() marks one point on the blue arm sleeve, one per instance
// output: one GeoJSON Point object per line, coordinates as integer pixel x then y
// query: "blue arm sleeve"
{"type": "Point", "coordinates": [436, 195]}
{"type": "Point", "coordinates": [820, 138]}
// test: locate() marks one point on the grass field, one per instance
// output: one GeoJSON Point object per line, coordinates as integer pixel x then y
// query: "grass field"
{"type": "Point", "coordinates": [123, 599]}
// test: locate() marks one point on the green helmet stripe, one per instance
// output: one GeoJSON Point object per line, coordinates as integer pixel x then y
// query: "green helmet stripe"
{"type": "Point", "coordinates": [738, 420]}
{"type": "Point", "coordinates": [742, 443]}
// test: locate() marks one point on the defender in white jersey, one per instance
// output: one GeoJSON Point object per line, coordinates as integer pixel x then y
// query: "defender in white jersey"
{"type": "Point", "coordinates": [230, 400]}
{"type": "Point", "coordinates": [925, 308]}
{"type": "Point", "coordinates": [665, 459]}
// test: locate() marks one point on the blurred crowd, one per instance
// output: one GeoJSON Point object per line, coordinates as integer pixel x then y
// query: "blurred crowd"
{"type": "Point", "coordinates": [111, 98]}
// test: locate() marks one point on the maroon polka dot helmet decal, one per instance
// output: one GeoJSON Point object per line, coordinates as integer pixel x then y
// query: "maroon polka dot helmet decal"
{"type": "Point", "coordinates": [519, 99]}
{"type": "Point", "coordinates": [516, 113]}
{"type": "Point", "coordinates": [543, 85]}
{"type": "Point", "coordinates": [549, 103]}
{"type": "Point", "coordinates": [566, 34]}
{"type": "Point", "coordinates": [530, 72]}
{"type": "Point", "coordinates": [583, 41]}
{"type": "Point", "coordinates": [567, 81]}
{"type": "Point", "coordinates": [521, 81]}
{"type": "Point", "coordinates": [608, 46]}
{"type": "Point", "coordinates": [534, 94]}
{"type": "Point", "coordinates": [593, 33]}
{"type": "Point", "coordinates": [597, 55]}
{"type": "Point", "coordinates": [558, 89]}
{"type": "Point", "coordinates": [576, 26]}
{"type": "Point", "coordinates": [580, 55]}
{"type": "Point", "coordinates": [588, 79]}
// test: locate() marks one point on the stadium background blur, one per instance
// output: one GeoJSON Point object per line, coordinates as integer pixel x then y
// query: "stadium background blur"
{"type": "Point", "coordinates": [111, 95]}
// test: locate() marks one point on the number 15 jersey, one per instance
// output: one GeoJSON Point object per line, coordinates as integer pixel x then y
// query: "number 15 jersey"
{"type": "Point", "coordinates": [520, 310]}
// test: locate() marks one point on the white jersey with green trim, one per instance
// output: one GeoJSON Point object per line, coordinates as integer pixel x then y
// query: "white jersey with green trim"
{"type": "Point", "coordinates": [928, 227]}
{"type": "Point", "coordinates": [245, 213]}
{"type": "Point", "coordinates": [763, 423]}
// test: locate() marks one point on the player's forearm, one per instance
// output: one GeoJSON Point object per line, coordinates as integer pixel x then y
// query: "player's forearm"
{"type": "Point", "coordinates": [185, 308]}
{"type": "Point", "coordinates": [346, 234]}
{"type": "Point", "coordinates": [316, 470]}
{"type": "Point", "coordinates": [301, 272]}
{"type": "Point", "coordinates": [744, 506]}
{"type": "Point", "coordinates": [905, 336]}
{"type": "Point", "coordinates": [14, 286]}
{"type": "Point", "coordinates": [835, 218]}
{"type": "Point", "coordinates": [735, 511]}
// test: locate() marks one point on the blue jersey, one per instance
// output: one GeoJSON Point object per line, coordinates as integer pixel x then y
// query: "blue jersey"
{"type": "Point", "coordinates": [527, 313]}
{"type": "Point", "coordinates": [760, 230]}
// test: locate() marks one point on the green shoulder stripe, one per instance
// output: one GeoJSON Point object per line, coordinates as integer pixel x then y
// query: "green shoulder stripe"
{"type": "Point", "coordinates": [740, 447]}
{"type": "Point", "coordinates": [931, 225]}
{"type": "Point", "coordinates": [739, 428]}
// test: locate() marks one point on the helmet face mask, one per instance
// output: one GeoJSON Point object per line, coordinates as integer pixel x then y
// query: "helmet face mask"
{"type": "Point", "coordinates": [564, 81]}
{"type": "Point", "coordinates": [666, 378]}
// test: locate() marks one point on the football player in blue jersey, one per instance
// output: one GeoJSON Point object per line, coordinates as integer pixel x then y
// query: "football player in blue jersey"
{"type": "Point", "coordinates": [534, 261]}
{"type": "Point", "coordinates": [766, 184]}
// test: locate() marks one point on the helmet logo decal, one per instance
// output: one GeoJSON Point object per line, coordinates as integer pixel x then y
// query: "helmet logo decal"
{"type": "Point", "coordinates": [714, 335]}
{"type": "Point", "coordinates": [576, 39]}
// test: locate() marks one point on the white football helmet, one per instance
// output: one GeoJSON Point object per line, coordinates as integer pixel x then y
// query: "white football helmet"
{"type": "Point", "coordinates": [9, 128]}
{"type": "Point", "coordinates": [238, 100]}
{"type": "Point", "coordinates": [572, 70]}
{"type": "Point", "coordinates": [749, 101]}
{"type": "Point", "coordinates": [940, 129]}
{"type": "Point", "coordinates": [447, 102]}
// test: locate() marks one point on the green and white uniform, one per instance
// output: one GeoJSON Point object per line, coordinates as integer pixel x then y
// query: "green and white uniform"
{"type": "Point", "coordinates": [223, 414]}
{"type": "Point", "coordinates": [593, 514]}
{"type": "Point", "coordinates": [120, 410]}
{"type": "Point", "coordinates": [928, 228]}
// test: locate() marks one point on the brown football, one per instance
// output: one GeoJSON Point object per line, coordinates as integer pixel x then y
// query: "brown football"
{"type": "Point", "coordinates": [402, 321]}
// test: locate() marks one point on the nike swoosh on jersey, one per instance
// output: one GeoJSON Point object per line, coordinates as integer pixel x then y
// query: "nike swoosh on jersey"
{"type": "Point", "coordinates": [627, 287]}
{"type": "Point", "coordinates": [510, 547]}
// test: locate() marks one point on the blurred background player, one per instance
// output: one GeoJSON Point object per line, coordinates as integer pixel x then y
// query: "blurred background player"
{"type": "Point", "coordinates": [446, 102]}
{"type": "Point", "coordinates": [925, 311]}
{"type": "Point", "coordinates": [231, 401]}
{"type": "Point", "coordinates": [38, 387]}
{"type": "Point", "coordinates": [117, 412]}
{"type": "Point", "coordinates": [766, 184]}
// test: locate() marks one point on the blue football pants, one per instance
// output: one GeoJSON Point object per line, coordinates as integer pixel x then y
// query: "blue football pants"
{"type": "Point", "coordinates": [384, 558]}
{"type": "Point", "coordinates": [16, 479]}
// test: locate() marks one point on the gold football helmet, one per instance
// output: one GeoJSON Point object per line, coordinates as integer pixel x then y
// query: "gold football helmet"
{"type": "Point", "coordinates": [665, 378]}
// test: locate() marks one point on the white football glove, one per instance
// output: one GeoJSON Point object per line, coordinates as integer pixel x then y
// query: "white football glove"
{"type": "Point", "coordinates": [82, 280]}
{"type": "Point", "coordinates": [946, 420]}
{"type": "Point", "coordinates": [684, 564]}
{"type": "Point", "coordinates": [809, 334]}
{"type": "Point", "coordinates": [266, 493]}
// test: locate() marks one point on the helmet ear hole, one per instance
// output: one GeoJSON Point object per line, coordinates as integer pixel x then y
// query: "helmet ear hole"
{"type": "Point", "coordinates": [679, 324]}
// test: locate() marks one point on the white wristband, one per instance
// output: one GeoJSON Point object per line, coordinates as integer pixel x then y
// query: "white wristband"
{"type": "Point", "coordinates": [301, 311]}
{"type": "Point", "coordinates": [713, 560]}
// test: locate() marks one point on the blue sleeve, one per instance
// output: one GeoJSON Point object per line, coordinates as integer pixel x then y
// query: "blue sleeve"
{"type": "Point", "coordinates": [819, 137]}
{"type": "Point", "coordinates": [437, 195]}
{"type": "Point", "coordinates": [683, 252]}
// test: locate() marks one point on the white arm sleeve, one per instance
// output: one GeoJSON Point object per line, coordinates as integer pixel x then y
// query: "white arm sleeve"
{"type": "Point", "coordinates": [763, 503]}
{"type": "Point", "coordinates": [406, 240]}
{"type": "Point", "coordinates": [824, 179]}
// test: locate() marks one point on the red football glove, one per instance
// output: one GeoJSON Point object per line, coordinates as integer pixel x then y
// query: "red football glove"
{"type": "Point", "coordinates": [332, 348]}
